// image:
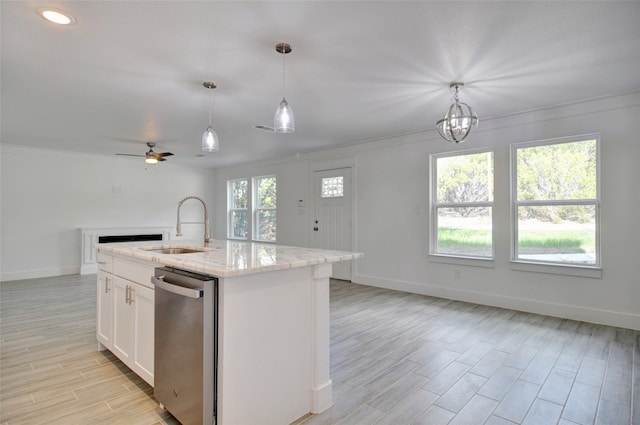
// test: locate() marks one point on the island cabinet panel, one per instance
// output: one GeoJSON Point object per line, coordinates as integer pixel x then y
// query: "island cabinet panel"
{"type": "Point", "coordinates": [265, 347]}
{"type": "Point", "coordinates": [104, 305]}
{"type": "Point", "coordinates": [134, 271]}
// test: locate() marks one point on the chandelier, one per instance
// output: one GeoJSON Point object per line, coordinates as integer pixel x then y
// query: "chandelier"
{"type": "Point", "coordinates": [460, 118]}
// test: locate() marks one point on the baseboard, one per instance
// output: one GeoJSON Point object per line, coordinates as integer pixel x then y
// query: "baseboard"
{"type": "Point", "coordinates": [89, 269]}
{"type": "Point", "coordinates": [36, 274]}
{"type": "Point", "coordinates": [322, 397]}
{"type": "Point", "coordinates": [565, 311]}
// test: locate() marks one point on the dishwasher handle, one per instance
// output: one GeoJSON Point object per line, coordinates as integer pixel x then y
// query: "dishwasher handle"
{"type": "Point", "coordinates": [175, 289]}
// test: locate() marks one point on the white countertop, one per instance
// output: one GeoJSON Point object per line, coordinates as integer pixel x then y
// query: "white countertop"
{"type": "Point", "coordinates": [227, 258]}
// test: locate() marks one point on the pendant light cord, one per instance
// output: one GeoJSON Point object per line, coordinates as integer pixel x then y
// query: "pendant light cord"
{"type": "Point", "coordinates": [283, 71]}
{"type": "Point", "coordinates": [209, 108]}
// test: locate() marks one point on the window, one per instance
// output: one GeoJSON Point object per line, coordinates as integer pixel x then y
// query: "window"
{"type": "Point", "coordinates": [555, 202]}
{"type": "Point", "coordinates": [238, 225]}
{"type": "Point", "coordinates": [332, 187]}
{"type": "Point", "coordinates": [251, 206]}
{"type": "Point", "coordinates": [264, 213]}
{"type": "Point", "coordinates": [462, 204]}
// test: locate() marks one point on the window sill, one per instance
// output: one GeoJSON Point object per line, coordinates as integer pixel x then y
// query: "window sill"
{"type": "Point", "coordinates": [561, 269]}
{"type": "Point", "coordinates": [462, 261]}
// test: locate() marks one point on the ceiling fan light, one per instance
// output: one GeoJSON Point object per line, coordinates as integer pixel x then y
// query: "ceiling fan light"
{"type": "Point", "coordinates": [284, 122]}
{"type": "Point", "coordinates": [210, 141]}
{"type": "Point", "coordinates": [151, 160]}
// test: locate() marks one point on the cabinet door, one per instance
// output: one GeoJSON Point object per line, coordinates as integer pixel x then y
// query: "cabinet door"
{"type": "Point", "coordinates": [122, 320]}
{"type": "Point", "coordinates": [143, 328]}
{"type": "Point", "coordinates": [104, 307]}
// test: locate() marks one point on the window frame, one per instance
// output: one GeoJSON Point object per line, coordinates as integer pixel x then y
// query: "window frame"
{"type": "Point", "coordinates": [256, 209]}
{"type": "Point", "coordinates": [434, 205]}
{"type": "Point", "coordinates": [528, 264]}
{"type": "Point", "coordinates": [231, 209]}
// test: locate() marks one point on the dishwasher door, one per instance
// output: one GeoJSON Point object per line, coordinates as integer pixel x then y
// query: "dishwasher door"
{"type": "Point", "coordinates": [185, 374]}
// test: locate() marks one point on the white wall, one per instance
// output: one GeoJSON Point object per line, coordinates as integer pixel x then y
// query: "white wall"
{"type": "Point", "coordinates": [391, 213]}
{"type": "Point", "coordinates": [48, 195]}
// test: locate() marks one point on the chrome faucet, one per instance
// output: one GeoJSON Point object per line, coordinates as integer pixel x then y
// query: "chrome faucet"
{"type": "Point", "coordinates": [207, 238]}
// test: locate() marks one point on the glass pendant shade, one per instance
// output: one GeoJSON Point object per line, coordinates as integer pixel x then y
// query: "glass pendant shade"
{"type": "Point", "coordinates": [210, 141]}
{"type": "Point", "coordinates": [284, 121]}
{"type": "Point", "coordinates": [210, 138]}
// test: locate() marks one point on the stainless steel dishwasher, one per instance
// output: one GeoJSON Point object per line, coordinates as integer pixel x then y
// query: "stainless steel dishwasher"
{"type": "Point", "coordinates": [186, 345]}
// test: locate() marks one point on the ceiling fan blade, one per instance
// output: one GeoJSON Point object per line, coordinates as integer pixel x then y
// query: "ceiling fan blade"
{"type": "Point", "coordinates": [265, 128]}
{"type": "Point", "coordinates": [150, 154]}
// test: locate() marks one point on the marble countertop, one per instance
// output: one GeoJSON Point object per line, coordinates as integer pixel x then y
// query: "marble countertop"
{"type": "Point", "coordinates": [227, 258]}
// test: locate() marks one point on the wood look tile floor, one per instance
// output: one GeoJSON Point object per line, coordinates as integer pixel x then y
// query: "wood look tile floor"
{"type": "Point", "coordinates": [396, 358]}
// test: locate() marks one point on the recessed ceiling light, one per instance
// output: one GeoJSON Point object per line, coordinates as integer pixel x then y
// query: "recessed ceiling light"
{"type": "Point", "coordinates": [57, 16]}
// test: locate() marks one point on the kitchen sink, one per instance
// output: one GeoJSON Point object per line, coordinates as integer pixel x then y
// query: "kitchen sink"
{"type": "Point", "coordinates": [174, 250]}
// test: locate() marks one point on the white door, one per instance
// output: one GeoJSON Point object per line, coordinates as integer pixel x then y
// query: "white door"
{"type": "Point", "coordinates": [143, 331]}
{"type": "Point", "coordinates": [104, 308]}
{"type": "Point", "coordinates": [332, 222]}
{"type": "Point", "coordinates": [122, 320]}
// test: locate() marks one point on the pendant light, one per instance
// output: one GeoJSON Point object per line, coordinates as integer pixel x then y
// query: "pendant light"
{"type": "Point", "coordinates": [210, 138]}
{"type": "Point", "coordinates": [460, 118]}
{"type": "Point", "coordinates": [283, 121]}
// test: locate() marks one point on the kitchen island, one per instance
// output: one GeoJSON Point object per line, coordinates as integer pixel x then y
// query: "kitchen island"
{"type": "Point", "coordinates": [273, 320]}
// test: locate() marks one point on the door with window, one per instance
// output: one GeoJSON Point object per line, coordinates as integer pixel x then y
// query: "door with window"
{"type": "Point", "coordinates": [332, 223]}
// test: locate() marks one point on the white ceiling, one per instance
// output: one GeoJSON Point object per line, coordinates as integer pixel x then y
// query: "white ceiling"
{"type": "Point", "coordinates": [128, 72]}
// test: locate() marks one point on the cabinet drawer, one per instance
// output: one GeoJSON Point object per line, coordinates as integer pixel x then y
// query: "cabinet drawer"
{"type": "Point", "coordinates": [105, 262]}
{"type": "Point", "coordinates": [140, 273]}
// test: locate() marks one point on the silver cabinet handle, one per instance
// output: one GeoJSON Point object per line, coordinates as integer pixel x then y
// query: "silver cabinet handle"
{"type": "Point", "coordinates": [132, 293]}
{"type": "Point", "coordinates": [106, 285]}
{"type": "Point", "coordinates": [175, 289]}
{"type": "Point", "coordinates": [127, 295]}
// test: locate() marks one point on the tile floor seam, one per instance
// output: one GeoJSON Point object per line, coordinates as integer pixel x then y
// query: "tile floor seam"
{"type": "Point", "coordinates": [569, 394]}
{"type": "Point", "coordinates": [602, 383]}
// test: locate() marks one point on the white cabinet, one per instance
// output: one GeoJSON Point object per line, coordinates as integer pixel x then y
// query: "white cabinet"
{"type": "Point", "coordinates": [143, 332]}
{"type": "Point", "coordinates": [125, 313]}
{"type": "Point", "coordinates": [122, 317]}
{"type": "Point", "coordinates": [104, 307]}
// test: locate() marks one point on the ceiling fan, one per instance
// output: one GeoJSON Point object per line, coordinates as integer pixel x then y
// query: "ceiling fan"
{"type": "Point", "coordinates": [150, 156]}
